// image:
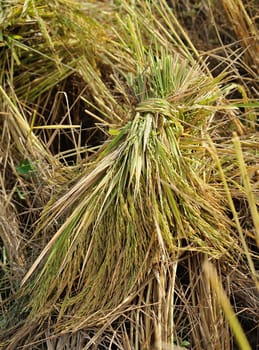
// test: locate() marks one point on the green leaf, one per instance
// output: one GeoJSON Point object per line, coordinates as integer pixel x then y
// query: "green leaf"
{"type": "Point", "coordinates": [25, 168]}
{"type": "Point", "coordinates": [185, 343]}
{"type": "Point", "coordinates": [247, 105]}
{"type": "Point", "coordinates": [17, 37]}
{"type": "Point", "coordinates": [114, 132]}
{"type": "Point", "coordinates": [20, 194]}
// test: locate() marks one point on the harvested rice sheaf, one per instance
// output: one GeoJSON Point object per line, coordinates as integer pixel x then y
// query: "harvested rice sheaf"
{"type": "Point", "coordinates": [141, 203]}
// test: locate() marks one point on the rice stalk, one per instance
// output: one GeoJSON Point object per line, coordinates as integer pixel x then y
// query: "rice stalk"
{"type": "Point", "coordinates": [247, 187]}
{"type": "Point", "coordinates": [235, 214]}
{"type": "Point", "coordinates": [199, 319]}
{"type": "Point", "coordinates": [245, 30]}
{"type": "Point", "coordinates": [133, 209]}
{"type": "Point", "coordinates": [226, 306]}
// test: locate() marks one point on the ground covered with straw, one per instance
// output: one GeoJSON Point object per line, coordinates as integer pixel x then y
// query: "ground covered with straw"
{"type": "Point", "coordinates": [129, 175]}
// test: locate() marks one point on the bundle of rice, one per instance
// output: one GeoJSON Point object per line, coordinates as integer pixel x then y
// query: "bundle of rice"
{"type": "Point", "coordinates": [135, 209]}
